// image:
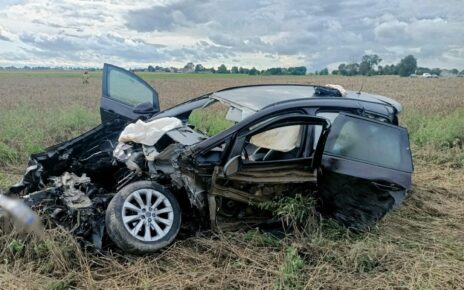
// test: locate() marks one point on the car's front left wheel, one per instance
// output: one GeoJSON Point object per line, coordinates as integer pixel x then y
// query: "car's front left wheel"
{"type": "Point", "coordinates": [143, 217]}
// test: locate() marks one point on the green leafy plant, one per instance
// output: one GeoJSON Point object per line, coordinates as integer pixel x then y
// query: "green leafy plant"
{"type": "Point", "coordinates": [290, 271]}
{"type": "Point", "coordinates": [298, 211]}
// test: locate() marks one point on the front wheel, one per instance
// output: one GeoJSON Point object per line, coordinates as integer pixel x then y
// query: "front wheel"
{"type": "Point", "coordinates": [143, 217]}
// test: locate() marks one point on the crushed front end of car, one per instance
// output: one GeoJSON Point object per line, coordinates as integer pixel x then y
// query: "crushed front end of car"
{"type": "Point", "coordinates": [71, 184]}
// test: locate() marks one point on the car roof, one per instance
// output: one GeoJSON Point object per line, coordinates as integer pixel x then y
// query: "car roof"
{"type": "Point", "coordinates": [257, 97]}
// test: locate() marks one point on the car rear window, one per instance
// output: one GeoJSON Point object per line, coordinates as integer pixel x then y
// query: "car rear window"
{"type": "Point", "coordinates": [370, 141]}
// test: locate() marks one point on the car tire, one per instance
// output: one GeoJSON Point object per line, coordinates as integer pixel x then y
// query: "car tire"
{"type": "Point", "coordinates": [143, 217]}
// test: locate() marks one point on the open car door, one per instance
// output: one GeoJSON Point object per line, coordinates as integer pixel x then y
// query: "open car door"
{"type": "Point", "coordinates": [365, 170]}
{"type": "Point", "coordinates": [126, 95]}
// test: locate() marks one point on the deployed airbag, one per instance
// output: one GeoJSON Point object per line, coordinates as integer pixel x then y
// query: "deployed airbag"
{"type": "Point", "coordinates": [148, 133]}
{"type": "Point", "coordinates": [282, 139]}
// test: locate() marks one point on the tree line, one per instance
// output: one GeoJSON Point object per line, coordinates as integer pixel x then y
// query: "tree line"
{"type": "Point", "coordinates": [223, 69]}
{"type": "Point", "coordinates": [370, 65]}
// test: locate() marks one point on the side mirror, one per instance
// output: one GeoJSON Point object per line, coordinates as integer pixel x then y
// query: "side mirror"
{"type": "Point", "coordinates": [232, 166]}
{"type": "Point", "coordinates": [144, 108]}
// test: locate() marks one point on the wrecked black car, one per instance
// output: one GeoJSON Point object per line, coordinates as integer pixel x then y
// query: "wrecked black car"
{"type": "Point", "coordinates": [210, 161]}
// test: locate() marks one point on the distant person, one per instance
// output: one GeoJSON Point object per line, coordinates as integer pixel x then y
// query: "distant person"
{"type": "Point", "coordinates": [85, 77]}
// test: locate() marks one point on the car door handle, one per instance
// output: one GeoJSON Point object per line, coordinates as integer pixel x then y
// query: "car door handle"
{"type": "Point", "coordinates": [387, 186]}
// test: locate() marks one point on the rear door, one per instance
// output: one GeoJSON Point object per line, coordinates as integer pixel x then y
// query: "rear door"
{"type": "Point", "coordinates": [126, 95]}
{"type": "Point", "coordinates": [365, 170]}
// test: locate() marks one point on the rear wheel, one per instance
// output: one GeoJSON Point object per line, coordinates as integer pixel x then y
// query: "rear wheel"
{"type": "Point", "coordinates": [143, 217]}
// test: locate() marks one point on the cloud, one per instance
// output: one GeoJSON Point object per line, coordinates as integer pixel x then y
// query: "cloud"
{"type": "Point", "coordinates": [393, 30]}
{"type": "Point", "coordinates": [4, 35]}
{"type": "Point", "coordinates": [106, 45]}
{"type": "Point", "coordinates": [168, 16]}
{"type": "Point", "coordinates": [236, 32]}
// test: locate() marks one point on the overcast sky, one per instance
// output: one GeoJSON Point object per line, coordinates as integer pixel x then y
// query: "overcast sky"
{"type": "Point", "coordinates": [261, 33]}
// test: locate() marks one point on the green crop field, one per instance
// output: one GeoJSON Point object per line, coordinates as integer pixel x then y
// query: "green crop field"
{"type": "Point", "coordinates": [417, 246]}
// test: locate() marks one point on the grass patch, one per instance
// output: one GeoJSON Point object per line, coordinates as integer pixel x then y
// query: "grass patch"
{"type": "Point", "coordinates": [28, 130]}
{"type": "Point", "coordinates": [290, 271]}
{"type": "Point", "coordinates": [8, 155]}
{"type": "Point", "coordinates": [210, 120]}
{"type": "Point", "coordinates": [444, 130]}
{"type": "Point", "coordinates": [297, 212]}
{"type": "Point", "coordinates": [261, 239]}
{"type": "Point", "coordinates": [436, 138]}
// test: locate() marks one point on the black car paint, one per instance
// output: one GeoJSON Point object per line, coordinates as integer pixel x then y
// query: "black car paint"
{"type": "Point", "coordinates": [355, 193]}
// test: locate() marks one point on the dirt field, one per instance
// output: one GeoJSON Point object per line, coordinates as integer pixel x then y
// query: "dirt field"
{"type": "Point", "coordinates": [418, 246]}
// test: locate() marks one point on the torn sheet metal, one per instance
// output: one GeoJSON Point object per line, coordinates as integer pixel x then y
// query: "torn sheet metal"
{"type": "Point", "coordinates": [70, 201]}
{"type": "Point", "coordinates": [148, 133]}
{"type": "Point", "coordinates": [186, 136]}
{"type": "Point", "coordinates": [72, 196]}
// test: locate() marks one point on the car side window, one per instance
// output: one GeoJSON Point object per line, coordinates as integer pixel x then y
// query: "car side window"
{"type": "Point", "coordinates": [127, 89]}
{"type": "Point", "coordinates": [369, 141]}
{"type": "Point", "coordinates": [318, 129]}
{"type": "Point", "coordinates": [281, 143]}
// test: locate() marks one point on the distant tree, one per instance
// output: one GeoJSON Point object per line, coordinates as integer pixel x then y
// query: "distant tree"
{"type": "Point", "coordinates": [352, 69]}
{"type": "Point", "coordinates": [151, 68]}
{"type": "Point", "coordinates": [462, 72]}
{"type": "Point", "coordinates": [243, 70]}
{"type": "Point", "coordinates": [435, 71]}
{"type": "Point", "coordinates": [342, 69]}
{"type": "Point", "coordinates": [222, 69]}
{"type": "Point", "coordinates": [297, 70]}
{"type": "Point", "coordinates": [423, 70]}
{"type": "Point", "coordinates": [455, 71]}
{"type": "Point", "coordinates": [391, 69]}
{"type": "Point", "coordinates": [188, 68]}
{"type": "Point", "coordinates": [234, 70]}
{"type": "Point", "coordinates": [274, 71]}
{"type": "Point", "coordinates": [335, 72]}
{"type": "Point", "coordinates": [368, 62]}
{"type": "Point", "coordinates": [380, 70]}
{"type": "Point", "coordinates": [407, 66]}
{"type": "Point", "coordinates": [253, 71]}
{"type": "Point", "coordinates": [199, 68]}
{"type": "Point", "coordinates": [324, 72]}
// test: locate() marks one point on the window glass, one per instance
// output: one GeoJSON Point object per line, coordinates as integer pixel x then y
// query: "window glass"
{"type": "Point", "coordinates": [128, 89]}
{"type": "Point", "coordinates": [211, 119]}
{"type": "Point", "coordinates": [367, 141]}
{"type": "Point", "coordinates": [318, 129]}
